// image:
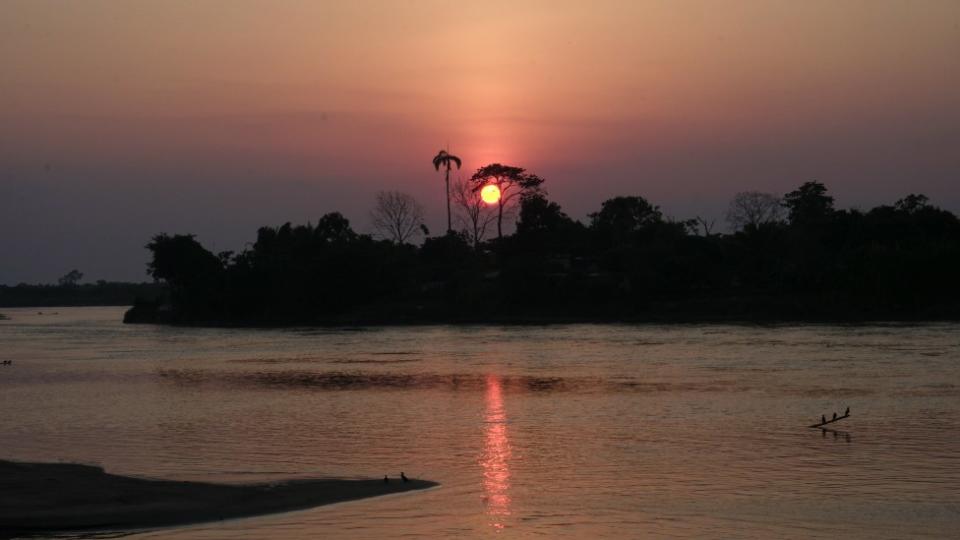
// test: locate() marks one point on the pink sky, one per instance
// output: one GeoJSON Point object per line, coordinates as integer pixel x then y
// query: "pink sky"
{"type": "Point", "coordinates": [120, 119]}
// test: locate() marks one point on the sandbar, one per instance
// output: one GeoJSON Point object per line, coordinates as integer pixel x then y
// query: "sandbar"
{"type": "Point", "coordinates": [49, 497]}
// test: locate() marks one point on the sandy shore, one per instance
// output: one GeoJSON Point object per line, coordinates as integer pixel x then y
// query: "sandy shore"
{"type": "Point", "coordinates": [57, 497]}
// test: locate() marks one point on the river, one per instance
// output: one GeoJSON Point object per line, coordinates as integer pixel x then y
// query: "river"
{"type": "Point", "coordinates": [620, 431]}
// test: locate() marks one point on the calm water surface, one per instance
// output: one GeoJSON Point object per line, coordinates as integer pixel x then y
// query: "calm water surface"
{"type": "Point", "coordinates": [564, 431]}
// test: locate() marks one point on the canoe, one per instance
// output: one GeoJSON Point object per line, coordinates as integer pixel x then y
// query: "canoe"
{"type": "Point", "coordinates": [837, 419]}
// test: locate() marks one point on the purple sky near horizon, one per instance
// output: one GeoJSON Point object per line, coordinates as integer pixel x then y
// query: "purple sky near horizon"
{"type": "Point", "coordinates": [120, 120]}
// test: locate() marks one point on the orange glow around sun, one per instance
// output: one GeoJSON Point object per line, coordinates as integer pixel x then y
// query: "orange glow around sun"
{"type": "Point", "coordinates": [490, 194]}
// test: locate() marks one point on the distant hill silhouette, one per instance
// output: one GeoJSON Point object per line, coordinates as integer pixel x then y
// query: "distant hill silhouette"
{"type": "Point", "coordinates": [893, 262]}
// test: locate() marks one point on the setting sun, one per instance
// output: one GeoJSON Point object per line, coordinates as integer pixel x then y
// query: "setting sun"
{"type": "Point", "coordinates": [490, 194]}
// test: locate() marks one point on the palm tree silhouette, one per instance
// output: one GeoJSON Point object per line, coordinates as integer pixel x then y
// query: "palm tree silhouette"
{"type": "Point", "coordinates": [444, 158]}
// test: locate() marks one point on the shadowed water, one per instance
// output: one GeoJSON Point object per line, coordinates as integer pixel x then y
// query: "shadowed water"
{"type": "Point", "coordinates": [581, 430]}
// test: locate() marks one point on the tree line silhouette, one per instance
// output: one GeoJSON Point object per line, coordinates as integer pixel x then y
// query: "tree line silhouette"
{"type": "Point", "coordinates": [794, 257]}
{"type": "Point", "coordinates": [68, 292]}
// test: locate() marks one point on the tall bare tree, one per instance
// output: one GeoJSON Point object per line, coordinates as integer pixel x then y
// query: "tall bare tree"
{"type": "Point", "coordinates": [754, 208]}
{"type": "Point", "coordinates": [512, 182]}
{"type": "Point", "coordinates": [707, 225]}
{"type": "Point", "coordinates": [473, 215]}
{"type": "Point", "coordinates": [397, 216]}
{"type": "Point", "coordinates": [445, 159]}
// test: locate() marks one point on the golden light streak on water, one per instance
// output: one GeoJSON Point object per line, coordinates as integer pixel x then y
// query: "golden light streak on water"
{"type": "Point", "coordinates": [496, 456]}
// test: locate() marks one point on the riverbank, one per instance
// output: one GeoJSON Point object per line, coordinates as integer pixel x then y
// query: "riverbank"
{"type": "Point", "coordinates": [46, 497]}
{"type": "Point", "coordinates": [750, 310]}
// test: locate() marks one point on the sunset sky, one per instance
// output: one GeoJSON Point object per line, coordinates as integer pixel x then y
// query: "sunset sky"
{"type": "Point", "coordinates": [123, 119]}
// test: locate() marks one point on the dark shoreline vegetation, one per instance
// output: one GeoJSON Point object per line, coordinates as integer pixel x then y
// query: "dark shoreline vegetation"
{"type": "Point", "coordinates": [794, 258]}
{"type": "Point", "coordinates": [48, 497]}
{"type": "Point", "coordinates": [101, 293]}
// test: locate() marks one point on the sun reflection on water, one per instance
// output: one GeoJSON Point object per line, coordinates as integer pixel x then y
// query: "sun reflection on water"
{"type": "Point", "coordinates": [496, 456]}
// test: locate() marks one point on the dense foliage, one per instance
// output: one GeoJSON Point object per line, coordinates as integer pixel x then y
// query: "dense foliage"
{"type": "Point", "coordinates": [900, 261]}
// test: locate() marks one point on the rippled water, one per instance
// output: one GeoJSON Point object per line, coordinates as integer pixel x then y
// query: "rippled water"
{"type": "Point", "coordinates": [562, 431]}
